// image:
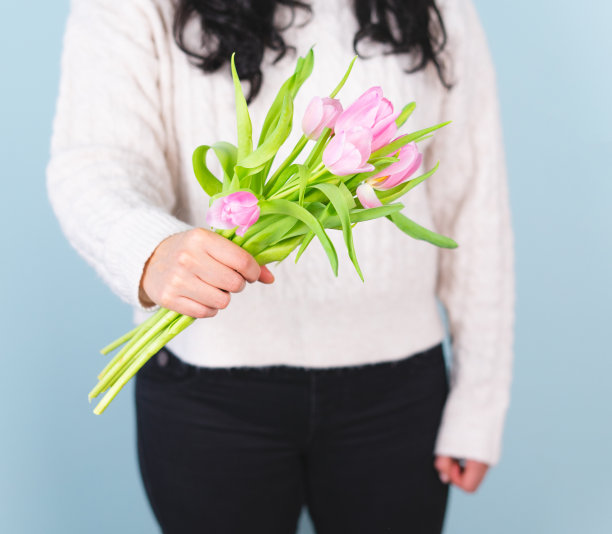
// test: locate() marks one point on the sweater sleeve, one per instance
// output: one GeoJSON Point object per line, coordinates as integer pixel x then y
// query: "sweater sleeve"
{"type": "Point", "coordinates": [108, 177]}
{"type": "Point", "coordinates": [470, 203]}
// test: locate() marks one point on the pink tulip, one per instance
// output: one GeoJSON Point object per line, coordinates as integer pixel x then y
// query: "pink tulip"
{"type": "Point", "coordinates": [370, 111]}
{"type": "Point", "coordinates": [348, 152]}
{"type": "Point", "coordinates": [321, 113]}
{"type": "Point", "coordinates": [367, 196]}
{"type": "Point", "coordinates": [236, 209]}
{"type": "Point", "coordinates": [409, 161]}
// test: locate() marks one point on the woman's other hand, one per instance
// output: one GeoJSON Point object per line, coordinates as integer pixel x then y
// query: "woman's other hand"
{"type": "Point", "coordinates": [467, 477]}
{"type": "Point", "coordinates": [194, 272]}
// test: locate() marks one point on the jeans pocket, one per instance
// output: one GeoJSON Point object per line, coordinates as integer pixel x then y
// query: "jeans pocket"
{"type": "Point", "coordinates": [165, 368]}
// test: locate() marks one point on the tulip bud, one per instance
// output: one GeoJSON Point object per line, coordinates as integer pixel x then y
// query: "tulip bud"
{"type": "Point", "coordinates": [370, 111]}
{"type": "Point", "coordinates": [348, 152]}
{"type": "Point", "coordinates": [236, 209]}
{"type": "Point", "coordinates": [409, 162]}
{"type": "Point", "coordinates": [321, 113]}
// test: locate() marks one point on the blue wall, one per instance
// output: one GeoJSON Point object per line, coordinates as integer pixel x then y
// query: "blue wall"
{"type": "Point", "coordinates": [63, 470]}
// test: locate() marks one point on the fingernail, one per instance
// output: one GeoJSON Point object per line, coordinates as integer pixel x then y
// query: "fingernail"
{"type": "Point", "coordinates": [444, 478]}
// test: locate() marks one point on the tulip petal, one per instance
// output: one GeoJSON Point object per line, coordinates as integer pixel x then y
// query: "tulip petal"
{"type": "Point", "coordinates": [236, 209]}
{"type": "Point", "coordinates": [362, 112]}
{"type": "Point", "coordinates": [397, 179]}
{"type": "Point", "coordinates": [312, 117]}
{"type": "Point", "coordinates": [361, 139]}
{"type": "Point", "coordinates": [409, 161]}
{"type": "Point", "coordinates": [367, 196]}
{"type": "Point", "coordinates": [333, 151]}
{"type": "Point", "coordinates": [214, 216]}
{"type": "Point", "coordinates": [348, 152]}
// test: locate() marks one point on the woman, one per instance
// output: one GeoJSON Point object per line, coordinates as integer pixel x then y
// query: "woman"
{"type": "Point", "coordinates": [304, 389]}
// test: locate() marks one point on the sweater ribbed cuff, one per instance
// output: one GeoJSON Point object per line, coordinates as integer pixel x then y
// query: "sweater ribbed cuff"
{"type": "Point", "coordinates": [467, 433]}
{"type": "Point", "coordinates": [129, 245]}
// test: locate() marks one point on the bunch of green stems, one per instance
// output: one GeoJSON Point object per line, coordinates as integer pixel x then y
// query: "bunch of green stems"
{"type": "Point", "coordinates": [142, 342]}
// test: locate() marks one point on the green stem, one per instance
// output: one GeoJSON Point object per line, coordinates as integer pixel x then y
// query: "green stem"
{"type": "Point", "coordinates": [319, 171]}
{"type": "Point", "coordinates": [288, 161]}
{"type": "Point", "coordinates": [141, 330]}
{"type": "Point", "coordinates": [179, 324]}
{"type": "Point", "coordinates": [142, 343]}
{"type": "Point", "coordinates": [127, 336]}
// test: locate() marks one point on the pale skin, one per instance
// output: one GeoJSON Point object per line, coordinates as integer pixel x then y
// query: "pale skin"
{"type": "Point", "coordinates": [195, 272]}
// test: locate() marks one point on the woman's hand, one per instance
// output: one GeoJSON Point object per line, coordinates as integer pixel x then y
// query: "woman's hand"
{"type": "Point", "coordinates": [194, 272]}
{"type": "Point", "coordinates": [468, 477]}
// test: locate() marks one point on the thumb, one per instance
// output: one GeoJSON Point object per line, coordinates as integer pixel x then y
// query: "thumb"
{"type": "Point", "coordinates": [266, 276]}
{"type": "Point", "coordinates": [444, 464]}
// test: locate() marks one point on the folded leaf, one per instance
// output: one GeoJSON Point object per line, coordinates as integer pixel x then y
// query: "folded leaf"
{"type": "Point", "coordinates": [405, 139]}
{"type": "Point", "coordinates": [269, 235]}
{"type": "Point", "coordinates": [279, 251]}
{"type": "Point", "coordinates": [257, 159]}
{"type": "Point", "coordinates": [243, 120]}
{"type": "Point", "coordinates": [338, 201]}
{"type": "Point", "coordinates": [408, 226]}
{"type": "Point", "coordinates": [405, 114]}
{"type": "Point", "coordinates": [400, 190]}
{"type": "Point", "coordinates": [207, 180]}
{"type": "Point", "coordinates": [285, 207]}
{"type": "Point", "coordinates": [303, 177]}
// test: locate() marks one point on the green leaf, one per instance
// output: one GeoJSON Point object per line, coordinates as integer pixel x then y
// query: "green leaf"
{"type": "Point", "coordinates": [285, 207]}
{"type": "Point", "coordinates": [348, 196]}
{"type": "Point", "coordinates": [400, 190]}
{"type": "Point", "coordinates": [256, 160]}
{"type": "Point", "coordinates": [279, 251]}
{"type": "Point", "coordinates": [405, 139]}
{"type": "Point", "coordinates": [303, 177]}
{"type": "Point", "coordinates": [271, 234]}
{"type": "Point", "coordinates": [207, 180]}
{"type": "Point", "coordinates": [243, 120]}
{"type": "Point", "coordinates": [364, 214]}
{"type": "Point", "coordinates": [226, 154]}
{"type": "Point", "coordinates": [408, 226]}
{"type": "Point", "coordinates": [324, 214]}
{"type": "Point", "coordinates": [234, 185]}
{"type": "Point", "coordinates": [302, 72]}
{"type": "Point", "coordinates": [338, 201]}
{"type": "Point", "coordinates": [317, 150]}
{"type": "Point", "coordinates": [291, 86]}
{"type": "Point", "coordinates": [344, 78]}
{"type": "Point", "coordinates": [262, 223]}
{"type": "Point", "coordinates": [307, 240]}
{"type": "Point", "coordinates": [405, 114]}
{"type": "Point", "coordinates": [277, 182]}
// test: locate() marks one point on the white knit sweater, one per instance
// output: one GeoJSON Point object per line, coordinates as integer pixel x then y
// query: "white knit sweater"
{"type": "Point", "coordinates": [131, 109]}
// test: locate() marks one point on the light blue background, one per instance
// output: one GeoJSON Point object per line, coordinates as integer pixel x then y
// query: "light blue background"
{"type": "Point", "coordinates": [62, 470]}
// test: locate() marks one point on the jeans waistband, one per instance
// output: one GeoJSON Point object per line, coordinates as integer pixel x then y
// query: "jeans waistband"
{"type": "Point", "coordinates": [165, 357]}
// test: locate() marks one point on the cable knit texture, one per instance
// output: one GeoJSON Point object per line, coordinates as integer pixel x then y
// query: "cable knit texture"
{"type": "Point", "coordinates": [130, 111]}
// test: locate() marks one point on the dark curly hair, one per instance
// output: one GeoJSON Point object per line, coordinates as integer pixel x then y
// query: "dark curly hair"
{"type": "Point", "coordinates": [413, 27]}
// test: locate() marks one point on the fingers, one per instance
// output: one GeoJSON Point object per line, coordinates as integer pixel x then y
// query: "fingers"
{"type": "Point", "coordinates": [186, 306]}
{"type": "Point", "coordinates": [472, 475]}
{"type": "Point", "coordinates": [443, 464]}
{"type": "Point", "coordinates": [194, 272]}
{"type": "Point", "coordinates": [266, 276]}
{"type": "Point", "coordinates": [205, 294]}
{"type": "Point", "coordinates": [214, 273]}
{"type": "Point", "coordinates": [467, 477]}
{"type": "Point", "coordinates": [230, 254]}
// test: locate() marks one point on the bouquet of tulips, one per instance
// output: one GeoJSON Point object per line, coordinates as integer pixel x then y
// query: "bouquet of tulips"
{"type": "Point", "coordinates": [356, 170]}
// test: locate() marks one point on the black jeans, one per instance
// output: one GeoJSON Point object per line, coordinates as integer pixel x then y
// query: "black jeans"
{"type": "Point", "coordinates": [241, 450]}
